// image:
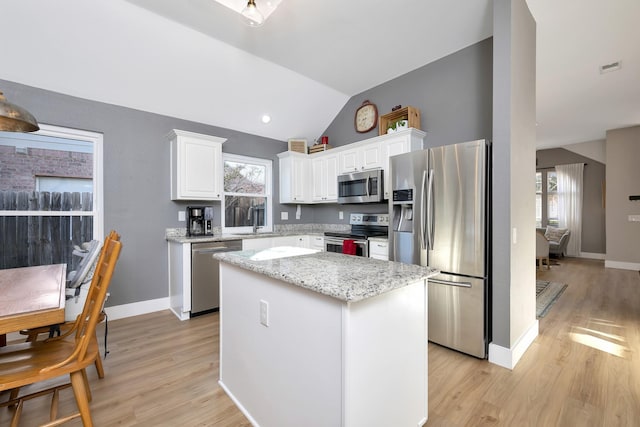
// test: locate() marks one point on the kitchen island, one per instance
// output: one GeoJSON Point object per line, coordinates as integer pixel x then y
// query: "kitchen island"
{"type": "Point", "coordinates": [324, 339]}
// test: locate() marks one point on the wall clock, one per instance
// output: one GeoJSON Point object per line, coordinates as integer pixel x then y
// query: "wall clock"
{"type": "Point", "coordinates": [366, 117]}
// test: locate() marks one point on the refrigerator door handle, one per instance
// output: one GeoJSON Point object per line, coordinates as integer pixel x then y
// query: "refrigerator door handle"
{"type": "Point", "coordinates": [429, 208]}
{"type": "Point", "coordinates": [423, 214]}
{"type": "Point", "coordinates": [448, 283]}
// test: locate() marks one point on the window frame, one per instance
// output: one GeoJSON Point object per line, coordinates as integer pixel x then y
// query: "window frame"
{"type": "Point", "coordinates": [96, 139]}
{"type": "Point", "coordinates": [545, 196]}
{"type": "Point", "coordinates": [268, 193]}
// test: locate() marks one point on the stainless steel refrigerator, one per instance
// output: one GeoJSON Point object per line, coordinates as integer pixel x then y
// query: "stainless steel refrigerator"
{"type": "Point", "coordinates": [440, 213]}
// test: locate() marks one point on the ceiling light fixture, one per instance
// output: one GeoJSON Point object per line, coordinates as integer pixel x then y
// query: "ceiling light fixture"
{"type": "Point", "coordinates": [15, 119]}
{"type": "Point", "coordinates": [266, 119]}
{"type": "Point", "coordinates": [252, 15]}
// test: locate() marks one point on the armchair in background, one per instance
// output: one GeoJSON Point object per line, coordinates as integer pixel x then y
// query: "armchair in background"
{"type": "Point", "coordinates": [558, 239]}
{"type": "Point", "coordinates": [542, 250]}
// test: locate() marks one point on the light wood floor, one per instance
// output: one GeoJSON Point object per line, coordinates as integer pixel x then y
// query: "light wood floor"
{"type": "Point", "coordinates": [582, 370]}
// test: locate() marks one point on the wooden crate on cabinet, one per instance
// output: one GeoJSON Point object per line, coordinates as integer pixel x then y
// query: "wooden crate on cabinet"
{"type": "Point", "coordinates": [411, 114]}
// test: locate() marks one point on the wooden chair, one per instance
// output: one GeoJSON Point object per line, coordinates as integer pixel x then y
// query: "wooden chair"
{"type": "Point", "coordinates": [32, 362]}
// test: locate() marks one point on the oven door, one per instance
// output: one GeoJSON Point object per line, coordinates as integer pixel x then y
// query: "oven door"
{"type": "Point", "coordinates": [336, 244]}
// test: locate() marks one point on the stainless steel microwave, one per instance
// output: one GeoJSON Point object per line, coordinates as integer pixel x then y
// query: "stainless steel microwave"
{"type": "Point", "coordinates": [361, 187]}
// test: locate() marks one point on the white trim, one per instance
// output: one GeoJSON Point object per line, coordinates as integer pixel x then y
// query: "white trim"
{"type": "Point", "coordinates": [137, 308]}
{"type": "Point", "coordinates": [268, 192]}
{"type": "Point", "coordinates": [509, 357]}
{"type": "Point", "coordinates": [592, 255]}
{"type": "Point", "coordinates": [238, 404]}
{"type": "Point", "coordinates": [634, 266]}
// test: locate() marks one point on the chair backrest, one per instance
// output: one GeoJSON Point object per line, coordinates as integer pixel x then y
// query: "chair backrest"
{"type": "Point", "coordinates": [542, 245]}
{"type": "Point", "coordinates": [86, 322]}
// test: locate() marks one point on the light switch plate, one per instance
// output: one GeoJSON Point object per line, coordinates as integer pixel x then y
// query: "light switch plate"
{"type": "Point", "coordinates": [181, 216]}
{"type": "Point", "coordinates": [340, 215]}
{"type": "Point", "coordinates": [284, 216]}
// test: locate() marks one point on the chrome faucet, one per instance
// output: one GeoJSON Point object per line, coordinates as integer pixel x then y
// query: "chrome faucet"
{"type": "Point", "coordinates": [253, 215]}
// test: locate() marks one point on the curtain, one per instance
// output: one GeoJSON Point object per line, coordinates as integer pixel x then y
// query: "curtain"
{"type": "Point", "coordinates": [570, 204]}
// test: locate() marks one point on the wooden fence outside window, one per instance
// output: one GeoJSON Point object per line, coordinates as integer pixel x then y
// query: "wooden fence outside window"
{"type": "Point", "coordinates": [40, 238]}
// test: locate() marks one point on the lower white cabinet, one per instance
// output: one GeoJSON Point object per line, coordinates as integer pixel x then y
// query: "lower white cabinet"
{"type": "Point", "coordinates": [317, 242]}
{"type": "Point", "coordinates": [258, 243]}
{"type": "Point", "coordinates": [379, 248]}
{"type": "Point", "coordinates": [180, 279]}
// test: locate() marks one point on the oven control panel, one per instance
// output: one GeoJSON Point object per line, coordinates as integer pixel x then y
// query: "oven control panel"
{"type": "Point", "coordinates": [369, 219]}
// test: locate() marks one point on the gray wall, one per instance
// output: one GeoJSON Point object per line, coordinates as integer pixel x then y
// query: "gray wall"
{"type": "Point", "coordinates": [454, 97]}
{"type": "Point", "coordinates": [623, 180]}
{"type": "Point", "coordinates": [593, 212]}
{"type": "Point", "coordinates": [514, 141]}
{"type": "Point", "coordinates": [136, 178]}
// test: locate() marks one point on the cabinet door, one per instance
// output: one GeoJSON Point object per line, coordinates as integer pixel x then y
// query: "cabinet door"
{"type": "Point", "coordinates": [294, 179]}
{"type": "Point", "coordinates": [196, 168]}
{"type": "Point", "coordinates": [379, 250]}
{"type": "Point", "coordinates": [389, 148]}
{"type": "Point", "coordinates": [324, 170]}
{"type": "Point", "coordinates": [370, 156]}
{"type": "Point", "coordinates": [349, 161]}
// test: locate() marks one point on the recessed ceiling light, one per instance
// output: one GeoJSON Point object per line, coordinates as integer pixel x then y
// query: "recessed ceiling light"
{"type": "Point", "coordinates": [266, 118]}
{"type": "Point", "coordinates": [614, 66]}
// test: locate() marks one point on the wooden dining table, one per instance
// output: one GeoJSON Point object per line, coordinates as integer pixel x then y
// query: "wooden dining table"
{"type": "Point", "coordinates": [31, 297]}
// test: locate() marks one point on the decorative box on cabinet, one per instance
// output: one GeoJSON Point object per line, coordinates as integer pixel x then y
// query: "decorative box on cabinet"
{"type": "Point", "coordinates": [295, 177]}
{"type": "Point", "coordinates": [196, 166]}
{"type": "Point", "coordinates": [411, 114]}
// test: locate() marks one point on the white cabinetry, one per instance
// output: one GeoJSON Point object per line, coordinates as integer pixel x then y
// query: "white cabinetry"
{"type": "Point", "coordinates": [196, 166]}
{"type": "Point", "coordinates": [324, 172]}
{"type": "Point", "coordinates": [379, 248]}
{"type": "Point", "coordinates": [317, 242]}
{"type": "Point", "coordinates": [398, 143]}
{"type": "Point", "coordinates": [313, 178]}
{"type": "Point", "coordinates": [180, 279]}
{"type": "Point", "coordinates": [295, 177]}
{"type": "Point", "coordinates": [359, 158]}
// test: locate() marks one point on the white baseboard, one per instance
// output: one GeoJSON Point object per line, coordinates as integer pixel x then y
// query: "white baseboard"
{"type": "Point", "coordinates": [592, 255]}
{"type": "Point", "coordinates": [238, 404]}
{"type": "Point", "coordinates": [622, 265]}
{"type": "Point", "coordinates": [137, 308]}
{"type": "Point", "coordinates": [509, 357]}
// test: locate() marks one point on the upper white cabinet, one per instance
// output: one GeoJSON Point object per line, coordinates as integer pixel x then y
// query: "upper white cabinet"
{"type": "Point", "coordinates": [196, 166]}
{"type": "Point", "coordinates": [324, 181]}
{"type": "Point", "coordinates": [360, 158]}
{"type": "Point", "coordinates": [295, 178]}
{"type": "Point", "coordinates": [395, 144]}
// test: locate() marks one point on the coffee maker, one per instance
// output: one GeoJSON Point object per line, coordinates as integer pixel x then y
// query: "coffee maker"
{"type": "Point", "coordinates": [199, 220]}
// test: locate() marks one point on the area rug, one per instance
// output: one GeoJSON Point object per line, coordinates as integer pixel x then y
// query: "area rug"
{"type": "Point", "coordinates": [547, 293]}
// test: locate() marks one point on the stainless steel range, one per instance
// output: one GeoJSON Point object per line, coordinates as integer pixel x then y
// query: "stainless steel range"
{"type": "Point", "coordinates": [356, 241]}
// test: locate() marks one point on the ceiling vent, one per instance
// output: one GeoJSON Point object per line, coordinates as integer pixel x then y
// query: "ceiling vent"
{"type": "Point", "coordinates": [614, 66]}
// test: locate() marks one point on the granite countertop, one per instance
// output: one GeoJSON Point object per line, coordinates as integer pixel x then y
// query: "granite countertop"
{"type": "Point", "coordinates": [345, 277]}
{"type": "Point", "coordinates": [178, 235]}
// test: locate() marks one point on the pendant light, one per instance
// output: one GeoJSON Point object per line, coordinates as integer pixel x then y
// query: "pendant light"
{"type": "Point", "coordinates": [14, 118]}
{"type": "Point", "coordinates": [252, 15]}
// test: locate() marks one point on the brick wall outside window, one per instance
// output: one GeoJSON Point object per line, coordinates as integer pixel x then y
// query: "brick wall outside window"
{"type": "Point", "coordinates": [18, 171]}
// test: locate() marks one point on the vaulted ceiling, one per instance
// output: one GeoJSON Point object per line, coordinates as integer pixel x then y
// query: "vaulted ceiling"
{"type": "Point", "coordinates": [196, 60]}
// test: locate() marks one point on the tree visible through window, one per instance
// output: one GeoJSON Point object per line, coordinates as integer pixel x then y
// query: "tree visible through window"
{"type": "Point", "coordinates": [247, 193]}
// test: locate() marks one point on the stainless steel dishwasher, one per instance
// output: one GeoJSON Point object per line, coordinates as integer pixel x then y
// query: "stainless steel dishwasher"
{"type": "Point", "coordinates": [205, 274]}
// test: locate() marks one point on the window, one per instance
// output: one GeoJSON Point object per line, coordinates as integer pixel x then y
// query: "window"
{"type": "Point", "coordinates": [546, 198]}
{"type": "Point", "coordinates": [50, 195]}
{"type": "Point", "coordinates": [247, 194]}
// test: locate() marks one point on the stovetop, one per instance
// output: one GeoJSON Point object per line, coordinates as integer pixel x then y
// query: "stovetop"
{"type": "Point", "coordinates": [364, 226]}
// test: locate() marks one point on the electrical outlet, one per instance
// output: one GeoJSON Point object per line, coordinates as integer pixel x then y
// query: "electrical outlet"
{"type": "Point", "coordinates": [181, 216]}
{"type": "Point", "coordinates": [340, 215]}
{"type": "Point", "coordinates": [284, 216]}
{"type": "Point", "coordinates": [264, 313]}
